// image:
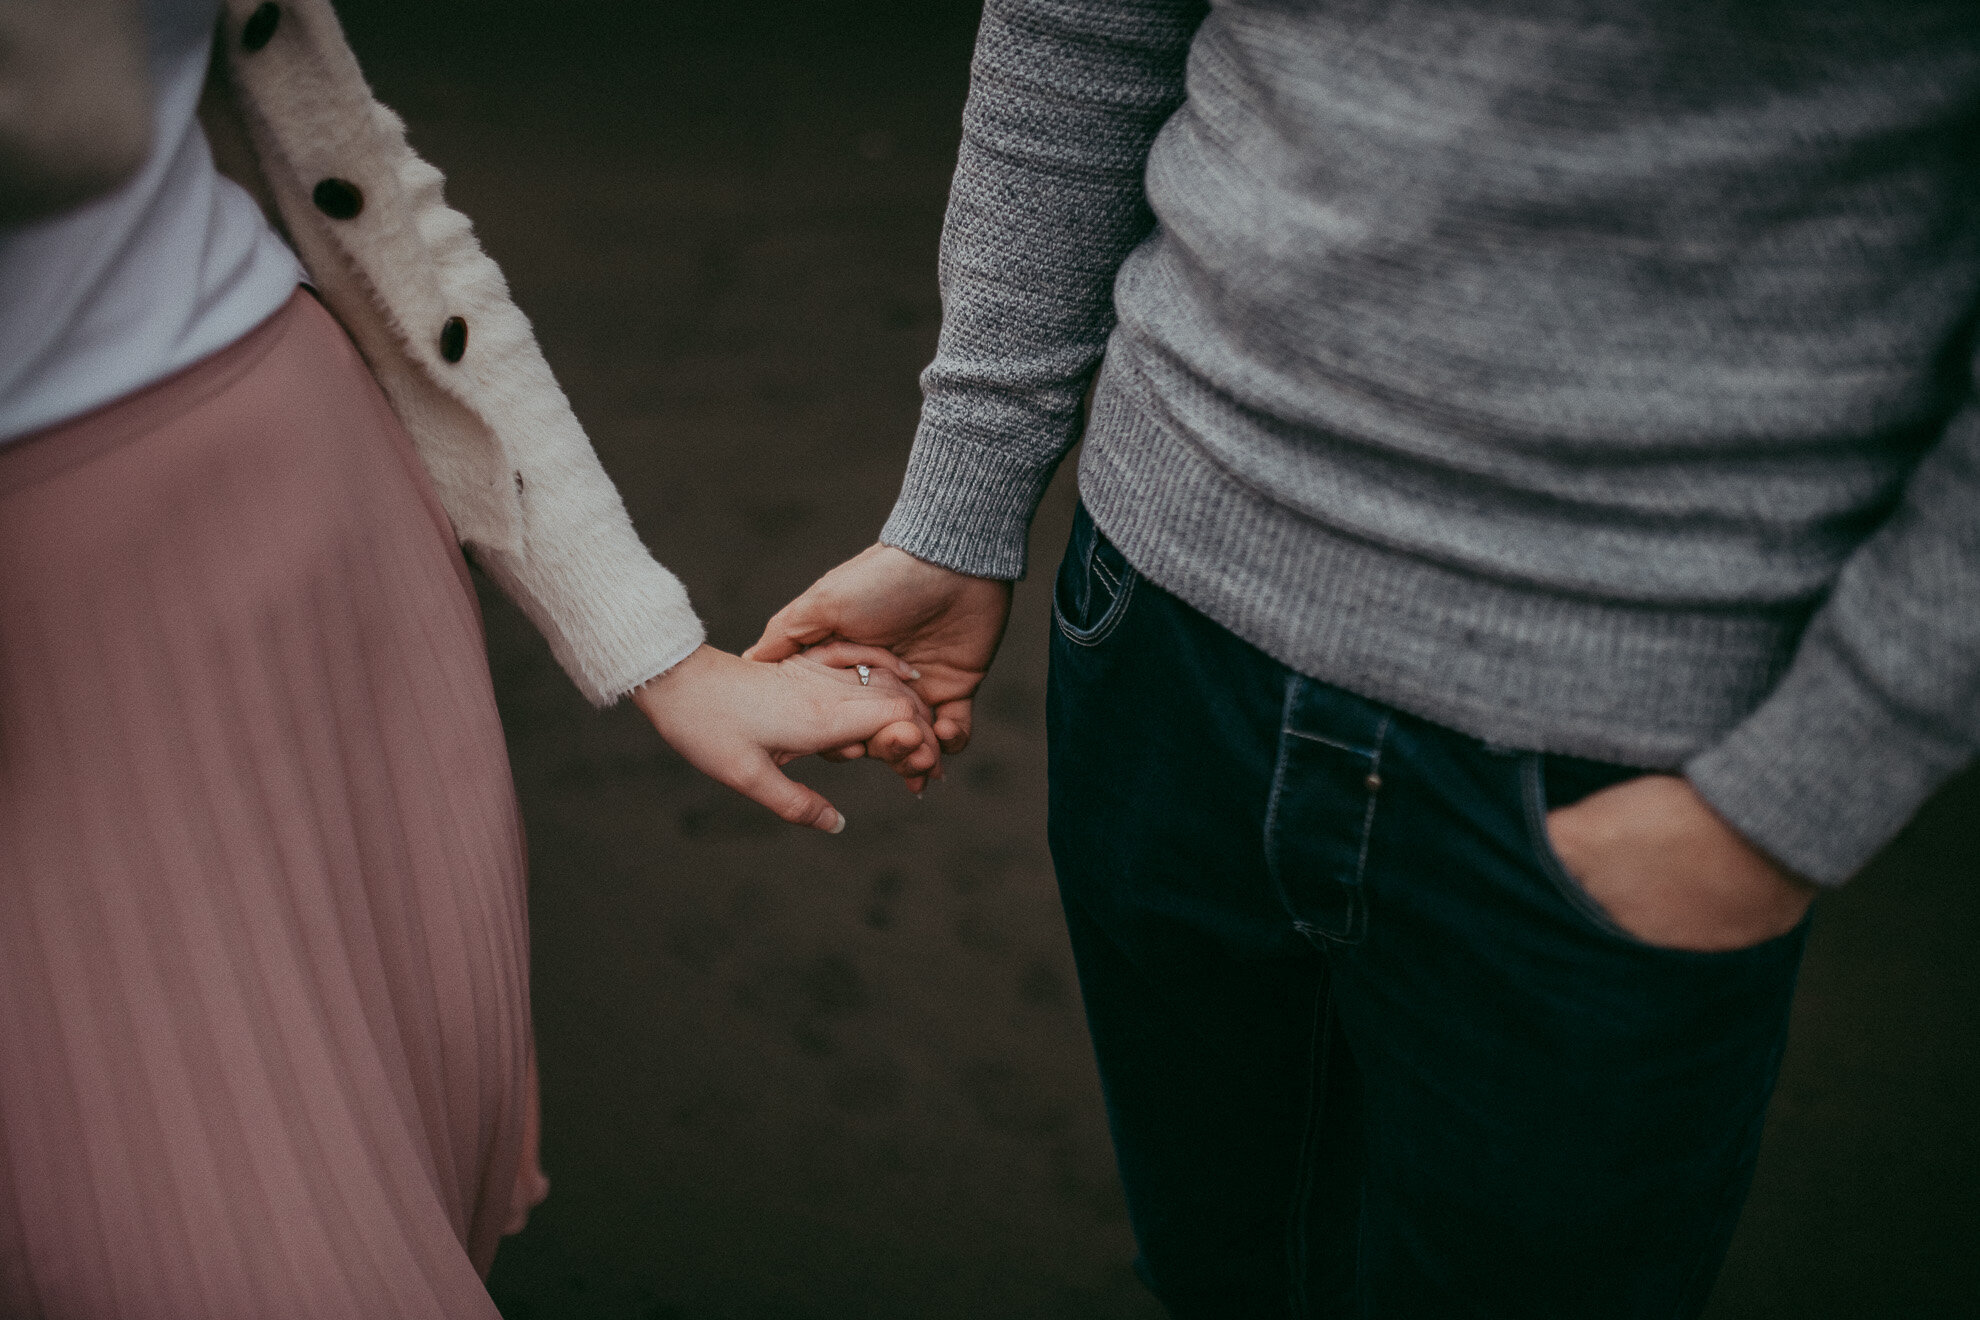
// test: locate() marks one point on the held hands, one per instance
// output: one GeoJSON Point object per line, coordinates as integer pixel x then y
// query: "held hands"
{"type": "Point", "coordinates": [944, 624]}
{"type": "Point", "coordinates": [1671, 872]}
{"type": "Point", "coordinates": [738, 721]}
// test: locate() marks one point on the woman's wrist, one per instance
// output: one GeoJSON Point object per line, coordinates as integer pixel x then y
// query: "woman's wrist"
{"type": "Point", "coordinates": [658, 696]}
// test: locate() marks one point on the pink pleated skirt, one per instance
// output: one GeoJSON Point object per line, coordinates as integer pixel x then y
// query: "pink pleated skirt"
{"type": "Point", "coordinates": [264, 1007]}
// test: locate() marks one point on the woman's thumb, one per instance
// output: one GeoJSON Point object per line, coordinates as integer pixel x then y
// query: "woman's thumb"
{"type": "Point", "coordinates": [793, 801]}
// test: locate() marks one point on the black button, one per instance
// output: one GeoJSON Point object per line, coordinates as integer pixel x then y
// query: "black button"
{"type": "Point", "coordinates": [453, 342]}
{"type": "Point", "coordinates": [338, 198]}
{"type": "Point", "coordinates": [260, 26]}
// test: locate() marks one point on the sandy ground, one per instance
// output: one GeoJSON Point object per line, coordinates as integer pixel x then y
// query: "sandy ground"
{"type": "Point", "coordinates": [823, 1078]}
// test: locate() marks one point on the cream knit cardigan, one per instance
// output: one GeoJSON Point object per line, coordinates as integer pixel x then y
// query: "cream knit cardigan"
{"type": "Point", "coordinates": [287, 109]}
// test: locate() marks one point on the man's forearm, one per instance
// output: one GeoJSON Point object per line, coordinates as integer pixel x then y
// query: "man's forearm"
{"type": "Point", "coordinates": [1065, 99]}
{"type": "Point", "coordinates": [1882, 702]}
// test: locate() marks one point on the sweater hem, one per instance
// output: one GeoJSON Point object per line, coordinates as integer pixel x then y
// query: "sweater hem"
{"type": "Point", "coordinates": [1637, 685]}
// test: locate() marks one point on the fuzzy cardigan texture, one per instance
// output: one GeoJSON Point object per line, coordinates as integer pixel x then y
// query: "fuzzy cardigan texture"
{"type": "Point", "coordinates": [288, 109]}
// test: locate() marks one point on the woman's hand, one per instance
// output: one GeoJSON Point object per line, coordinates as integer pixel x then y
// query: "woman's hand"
{"type": "Point", "coordinates": [946, 624]}
{"type": "Point", "coordinates": [737, 721]}
{"type": "Point", "coordinates": [920, 763]}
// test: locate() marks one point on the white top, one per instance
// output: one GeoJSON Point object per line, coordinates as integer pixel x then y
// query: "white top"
{"type": "Point", "coordinates": [509, 461]}
{"type": "Point", "coordinates": [175, 264]}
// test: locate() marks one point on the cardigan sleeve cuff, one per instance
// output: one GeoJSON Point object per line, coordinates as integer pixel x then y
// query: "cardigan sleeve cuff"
{"type": "Point", "coordinates": [1826, 771]}
{"type": "Point", "coordinates": [614, 617]}
{"type": "Point", "coordinates": [967, 506]}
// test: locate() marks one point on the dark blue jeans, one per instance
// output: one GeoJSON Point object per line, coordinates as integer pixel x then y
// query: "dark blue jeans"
{"type": "Point", "coordinates": [1368, 1050]}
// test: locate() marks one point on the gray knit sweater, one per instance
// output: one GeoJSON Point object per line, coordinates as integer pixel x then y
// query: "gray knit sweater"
{"type": "Point", "coordinates": [1591, 376]}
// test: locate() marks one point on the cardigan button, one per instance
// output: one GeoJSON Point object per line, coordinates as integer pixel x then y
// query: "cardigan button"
{"type": "Point", "coordinates": [453, 339]}
{"type": "Point", "coordinates": [260, 26]}
{"type": "Point", "coordinates": [338, 198]}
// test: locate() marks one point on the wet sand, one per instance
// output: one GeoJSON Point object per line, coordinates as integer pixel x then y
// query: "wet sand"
{"type": "Point", "coordinates": [821, 1078]}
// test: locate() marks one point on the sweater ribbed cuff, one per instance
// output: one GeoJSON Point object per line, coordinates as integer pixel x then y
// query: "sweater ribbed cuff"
{"type": "Point", "coordinates": [1826, 771]}
{"type": "Point", "coordinates": [967, 507]}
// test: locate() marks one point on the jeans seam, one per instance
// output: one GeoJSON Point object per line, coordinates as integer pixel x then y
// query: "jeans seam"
{"type": "Point", "coordinates": [1362, 1296]}
{"type": "Point", "coordinates": [1293, 683]}
{"type": "Point", "coordinates": [1723, 1203]}
{"type": "Point", "coordinates": [1336, 743]}
{"type": "Point", "coordinates": [1368, 815]}
{"type": "Point", "coordinates": [1357, 917]}
{"type": "Point", "coordinates": [1298, 1301]}
{"type": "Point", "coordinates": [1730, 1201]}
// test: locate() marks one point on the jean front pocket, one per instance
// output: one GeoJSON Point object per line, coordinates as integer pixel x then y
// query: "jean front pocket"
{"type": "Point", "coordinates": [1094, 587]}
{"type": "Point", "coordinates": [1541, 793]}
{"type": "Point", "coordinates": [1533, 795]}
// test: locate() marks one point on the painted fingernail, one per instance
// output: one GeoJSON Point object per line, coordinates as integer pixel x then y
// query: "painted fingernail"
{"type": "Point", "coordinates": [914, 673]}
{"type": "Point", "coordinates": [838, 824]}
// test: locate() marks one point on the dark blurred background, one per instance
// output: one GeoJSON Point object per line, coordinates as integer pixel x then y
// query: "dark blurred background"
{"type": "Point", "coordinates": [806, 1078]}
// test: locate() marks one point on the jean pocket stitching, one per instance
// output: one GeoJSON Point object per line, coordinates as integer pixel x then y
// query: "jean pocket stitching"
{"type": "Point", "coordinates": [1533, 792]}
{"type": "Point", "coordinates": [1356, 925]}
{"type": "Point", "coordinates": [1374, 796]}
{"type": "Point", "coordinates": [1109, 620]}
{"type": "Point", "coordinates": [1271, 835]}
{"type": "Point", "coordinates": [1365, 753]}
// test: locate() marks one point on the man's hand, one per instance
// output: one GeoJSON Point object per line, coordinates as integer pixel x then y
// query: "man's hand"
{"type": "Point", "coordinates": [1671, 872]}
{"type": "Point", "coordinates": [943, 623]}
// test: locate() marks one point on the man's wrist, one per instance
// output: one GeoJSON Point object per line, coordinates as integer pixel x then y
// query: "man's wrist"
{"type": "Point", "coordinates": [923, 561]}
{"type": "Point", "coordinates": [1736, 837]}
{"type": "Point", "coordinates": [967, 506]}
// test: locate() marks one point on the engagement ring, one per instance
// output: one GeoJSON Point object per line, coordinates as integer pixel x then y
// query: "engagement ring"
{"type": "Point", "coordinates": [865, 673]}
